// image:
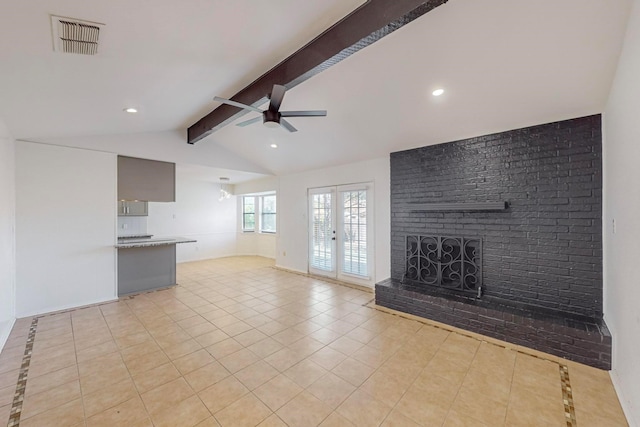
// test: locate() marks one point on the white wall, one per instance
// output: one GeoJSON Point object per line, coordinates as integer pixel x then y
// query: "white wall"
{"type": "Point", "coordinates": [622, 204]}
{"type": "Point", "coordinates": [7, 234]}
{"type": "Point", "coordinates": [199, 214]}
{"type": "Point", "coordinates": [132, 225]}
{"type": "Point", "coordinates": [169, 146]}
{"type": "Point", "coordinates": [262, 185]}
{"type": "Point", "coordinates": [260, 244]}
{"type": "Point", "coordinates": [293, 238]}
{"type": "Point", "coordinates": [65, 227]}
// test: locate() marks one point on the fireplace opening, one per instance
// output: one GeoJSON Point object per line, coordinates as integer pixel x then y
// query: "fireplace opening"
{"type": "Point", "coordinates": [448, 262]}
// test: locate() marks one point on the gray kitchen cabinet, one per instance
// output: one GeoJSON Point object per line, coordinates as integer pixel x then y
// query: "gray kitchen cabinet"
{"type": "Point", "coordinates": [133, 208]}
{"type": "Point", "coordinates": [143, 179]}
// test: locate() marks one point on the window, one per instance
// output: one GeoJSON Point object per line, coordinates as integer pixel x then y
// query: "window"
{"type": "Point", "coordinates": [248, 213]}
{"type": "Point", "coordinates": [259, 213]}
{"type": "Point", "coordinates": [268, 214]}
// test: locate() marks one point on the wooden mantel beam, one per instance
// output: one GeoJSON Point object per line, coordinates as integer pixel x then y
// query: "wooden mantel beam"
{"type": "Point", "coordinates": [363, 27]}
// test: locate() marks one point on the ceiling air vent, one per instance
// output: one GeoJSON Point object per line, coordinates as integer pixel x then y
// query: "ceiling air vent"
{"type": "Point", "coordinates": [75, 36]}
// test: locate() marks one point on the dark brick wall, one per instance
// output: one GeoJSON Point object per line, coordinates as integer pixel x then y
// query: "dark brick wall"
{"type": "Point", "coordinates": [546, 249]}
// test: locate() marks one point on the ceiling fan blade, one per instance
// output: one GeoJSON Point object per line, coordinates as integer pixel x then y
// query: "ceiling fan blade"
{"type": "Point", "coordinates": [288, 126]}
{"type": "Point", "coordinates": [237, 104]}
{"type": "Point", "coordinates": [249, 122]}
{"type": "Point", "coordinates": [277, 93]}
{"type": "Point", "coordinates": [309, 113]}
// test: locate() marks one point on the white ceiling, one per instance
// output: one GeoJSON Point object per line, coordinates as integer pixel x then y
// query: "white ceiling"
{"type": "Point", "coordinates": [503, 63]}
{"type": "Point", "coordinates": [213, 175]}
{"type": "Point", "coordinates": [167, 58]}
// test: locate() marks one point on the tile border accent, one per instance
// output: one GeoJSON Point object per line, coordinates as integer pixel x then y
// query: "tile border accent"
{"type": "Point", "coordinates": [567, 396]}
{"type": "Point", "coordinates": [21, 385]}
{"type": "Point", "coordinates": [580, 340]}
{"type": "Point", "coordinates": [475, 335]}
{"type": "Point", "coordinates": [569, 408]}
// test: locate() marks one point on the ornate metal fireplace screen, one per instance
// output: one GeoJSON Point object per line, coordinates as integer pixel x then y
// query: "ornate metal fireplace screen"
{"type": "Point", "coordinates": [448, 262]}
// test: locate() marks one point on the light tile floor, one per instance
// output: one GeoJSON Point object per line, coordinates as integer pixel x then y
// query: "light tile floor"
{"type": "Point", "coordinates": [239, 343]}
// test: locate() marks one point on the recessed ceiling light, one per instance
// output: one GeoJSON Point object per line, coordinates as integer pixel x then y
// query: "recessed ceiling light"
{"type": "Point", "coordinates": [437, 92]}
{"type": "Point", "coordinates": [274, 145]}
{"type": "Point", "coordinates": [130, 110]}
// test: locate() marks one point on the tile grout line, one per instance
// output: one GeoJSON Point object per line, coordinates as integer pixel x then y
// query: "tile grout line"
{"type": "Point", "coordinates": [192, 291]}
{"type": "Point", "coordinates": [171, 361]}
{"type": "Point", "coordinates": [567, 396]}
{"type": "Point", "coordinates": [367, 305]}
{"type": "Point", "coordinates": [468, 334]}
{"type": "Point", "coordinates": [513, 374]}
{"type": "Point", "coordinates": [327, 280]}
{"type": "Point", "coordinates": [75, 353]}
{"type": "Point", "coordinates": [371, 302]}
{"type": "Point", "coordinates": [465, 375]}
{"type": "Point", "coordinates": [120, 350]}
{"type": "Point", "coordinates": [21, 385]}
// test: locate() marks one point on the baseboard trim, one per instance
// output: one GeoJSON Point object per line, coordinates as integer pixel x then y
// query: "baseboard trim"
{"type": "Point", "coordinates": [327, 279]}
{"type": "Point", "coordinates": [223, 256]}
{"type": "Point", "coordinates": [4, 334]}
{"type": "Point", "coordinates": [254, 254]}
{"type": "Point", "coordinates": [62, 309]}
{"type": "Point", "coordinates": [291, 270]}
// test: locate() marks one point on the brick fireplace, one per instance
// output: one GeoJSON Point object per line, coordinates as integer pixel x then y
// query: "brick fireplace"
{"type": "Point", "coordinates": [502, 235]}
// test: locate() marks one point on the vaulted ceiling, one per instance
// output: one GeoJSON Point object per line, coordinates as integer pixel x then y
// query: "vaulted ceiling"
{"type": "Point", "coordinates": [503, 64]}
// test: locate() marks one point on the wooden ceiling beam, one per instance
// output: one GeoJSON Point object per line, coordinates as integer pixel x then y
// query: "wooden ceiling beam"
{"type": "Point", "coordinates": [361, 28]}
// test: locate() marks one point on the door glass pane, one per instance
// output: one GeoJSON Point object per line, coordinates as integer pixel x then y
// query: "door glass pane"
{"type": "Point", "coordinates": [354, 240]}
{"type": "Point", "coordinates": [322, 232]}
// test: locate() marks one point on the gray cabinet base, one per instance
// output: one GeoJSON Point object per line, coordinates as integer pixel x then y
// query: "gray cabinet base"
{"type": "Point", "coordinates": [146, 268]}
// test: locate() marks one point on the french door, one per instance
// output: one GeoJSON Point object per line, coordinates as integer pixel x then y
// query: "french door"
{"type": "Point", "coordinates": [341, 232]}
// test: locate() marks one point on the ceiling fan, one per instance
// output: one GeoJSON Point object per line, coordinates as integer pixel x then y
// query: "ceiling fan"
{"type": "Point", "coordinates": [272, 116]}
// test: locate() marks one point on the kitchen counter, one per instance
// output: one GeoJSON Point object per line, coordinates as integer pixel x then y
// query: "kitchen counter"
{"type": "Point", "coordinates": [146, 264]}
{"type": "Point", "coordinates": [146, 242]}
{"type": "Point", "coordinates": [134, 236]}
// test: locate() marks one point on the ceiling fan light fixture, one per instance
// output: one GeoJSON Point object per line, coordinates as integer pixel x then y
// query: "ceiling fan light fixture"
{"type": "Point", "coordinates": [271, 124]}
{"type": "Point", "coordinates": [226, 191]}
{"type": "Point", "coordinates": [272, 117]}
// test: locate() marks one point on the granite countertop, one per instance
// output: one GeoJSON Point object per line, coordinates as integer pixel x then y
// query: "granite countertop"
{"type": "Point", "coordinates": [134, 236]}
{"type": "Point", "coordinates": [158, 241]}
